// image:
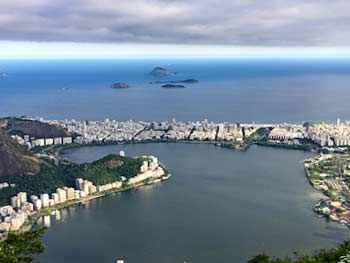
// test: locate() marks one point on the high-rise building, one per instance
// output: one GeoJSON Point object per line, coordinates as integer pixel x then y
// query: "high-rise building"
{"type": "Point", "coordinates": [22, 196]}
{"type": "Point", "coordinates": [15, 202]}
{"type": "Point", "coordinates": [45, 200]}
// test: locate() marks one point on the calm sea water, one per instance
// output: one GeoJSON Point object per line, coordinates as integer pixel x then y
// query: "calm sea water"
{"type": "Point", "coordinates": [219, 206]}
{"type": "Point", "coordinates": [229, 90]}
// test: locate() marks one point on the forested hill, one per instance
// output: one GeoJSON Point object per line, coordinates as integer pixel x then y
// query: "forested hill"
{"type": "Point", "coordinates": [109, 169]}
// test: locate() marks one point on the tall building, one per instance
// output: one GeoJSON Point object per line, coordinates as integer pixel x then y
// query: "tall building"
{"type": "Point", "coordinates": [15, 202]}
{"type": "Point", "coordinates": [45, 200]}
{"type": "Point", "coordinates": [22, 196]}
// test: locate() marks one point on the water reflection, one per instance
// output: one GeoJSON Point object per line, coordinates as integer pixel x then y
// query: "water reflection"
{"type": "Point", "coordinates": [55, 216]}
{"type": "Point", "coordinates": [47, 221]}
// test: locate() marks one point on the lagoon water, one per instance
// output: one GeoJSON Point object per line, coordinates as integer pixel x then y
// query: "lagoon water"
{"type": "Point", "coordinates": [219, 205]}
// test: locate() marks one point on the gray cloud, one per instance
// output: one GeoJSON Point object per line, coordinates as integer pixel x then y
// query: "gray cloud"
{"type": "Point", "coordinates": [238, 22]}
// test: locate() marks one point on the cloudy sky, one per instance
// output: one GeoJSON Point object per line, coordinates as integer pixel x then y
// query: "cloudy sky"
{"type": "Point", "coordinates": [150, 23]}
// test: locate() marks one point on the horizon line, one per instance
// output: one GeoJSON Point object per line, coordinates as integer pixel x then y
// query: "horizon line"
{"type": "Point", "coordinates": [75, 50]}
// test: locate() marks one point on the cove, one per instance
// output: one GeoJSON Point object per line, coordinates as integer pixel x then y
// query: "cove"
{"type": "Point", "coordinates": [220, 205]}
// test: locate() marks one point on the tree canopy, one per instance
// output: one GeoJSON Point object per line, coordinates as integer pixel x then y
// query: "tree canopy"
{"type": "Point", "coordinates": [22, 247]}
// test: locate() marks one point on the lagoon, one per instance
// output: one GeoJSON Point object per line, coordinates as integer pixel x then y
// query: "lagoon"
{"type": "Point", "coordinates": [220, 205]}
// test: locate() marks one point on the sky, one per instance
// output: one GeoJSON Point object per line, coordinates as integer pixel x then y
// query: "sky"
{"type": "Point", "coordinates": [34, 28]}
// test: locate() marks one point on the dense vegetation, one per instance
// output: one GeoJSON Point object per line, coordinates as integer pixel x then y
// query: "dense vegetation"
{"type": "Point", "coordinates": [257, 136]}
{"type": "Point", "coordinates": [105, 170]}
{"type": "Point", "coordinates": [21, 247]}
{"type": "Point", "coordinates": [337, 168]}
{"type": "Point", "coordinates": [335, 255]}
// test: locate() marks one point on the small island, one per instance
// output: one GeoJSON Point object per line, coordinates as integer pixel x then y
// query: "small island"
{"type": "Point", "coordinates": [173, 86]}
{"type": "Point", "coordinates": [120, 85]}
{"type": "Point", "coordinates": [161, 72]}
{"type": "Point", "coordinates": [188, 81]}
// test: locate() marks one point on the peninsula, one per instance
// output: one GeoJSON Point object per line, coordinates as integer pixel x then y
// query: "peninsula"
{"type": "Point", "coordinates": [24, 198]}
{"type": "Point", "coordinates": [33, 184]}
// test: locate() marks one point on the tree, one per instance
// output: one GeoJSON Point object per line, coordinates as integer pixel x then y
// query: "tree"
{"type": "Point", "coordinates": [21, 247]}
{"type": "Point", "coordinates": [339, 254]}
{"type": "Point", "coordinates": [261, 258]}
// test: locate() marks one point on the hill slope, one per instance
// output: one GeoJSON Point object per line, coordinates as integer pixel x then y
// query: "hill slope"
{"type": "Point", "coordinates": [14, 160]}
{"type": "Point", "coordinates": [32, 128]}
{"type": "Point", "coordinates": [106, 170]}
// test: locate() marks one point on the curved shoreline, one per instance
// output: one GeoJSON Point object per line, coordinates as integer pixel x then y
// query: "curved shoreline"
{"type": "Point", "coordinates": [36, 215]}
{"type": "Point", "coordinates": [59, 149]}
{"type": "Point", "coordinates": [281, 146]}
{"type": "Point", "coordinates": [33, 219]}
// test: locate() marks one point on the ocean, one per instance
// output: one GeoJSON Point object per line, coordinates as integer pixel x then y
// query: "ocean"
{"type": "Point", "coordinates": [234, 90]}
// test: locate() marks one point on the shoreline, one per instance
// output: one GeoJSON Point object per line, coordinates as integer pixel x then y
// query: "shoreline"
{"type": "Point", "coordinates": [281, 146]}
{"type": "Point", "coordinates": [322, 205]}
{"type": "Point", "coordinates": [35, 216]}
{"type": "Point", "coordinates": [58, 150]}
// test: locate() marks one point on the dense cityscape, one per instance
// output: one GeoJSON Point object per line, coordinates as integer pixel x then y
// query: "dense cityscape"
{"type": "Point", "coordinates": [322, 134]}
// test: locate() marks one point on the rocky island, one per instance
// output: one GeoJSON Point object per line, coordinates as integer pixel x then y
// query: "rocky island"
{"type": "Point", "coordinates": [173, 86]}
{"type": "Point", "coordinates": [161, 72]}
{"type": "Point", "coordinates": [187, 81]}
{"type": "Point", "coordinates": [120, 85]}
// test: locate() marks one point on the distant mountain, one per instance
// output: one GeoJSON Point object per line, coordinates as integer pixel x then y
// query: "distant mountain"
{"type": "Point", "coordinates": [15, 160]}
{"type": "Point", "coordinates": [37, 129]}
{"type": "Point", "coordinates": [161, 72]}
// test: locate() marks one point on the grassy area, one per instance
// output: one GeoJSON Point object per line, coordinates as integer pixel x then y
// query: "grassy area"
{"type": "Point", "coordinates": [333, 169]}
